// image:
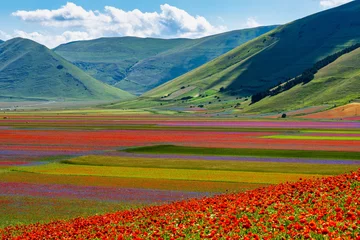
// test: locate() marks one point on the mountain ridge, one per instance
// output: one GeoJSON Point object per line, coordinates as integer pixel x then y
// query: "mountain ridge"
{"type": "Point", "coordinates": [138, 72]}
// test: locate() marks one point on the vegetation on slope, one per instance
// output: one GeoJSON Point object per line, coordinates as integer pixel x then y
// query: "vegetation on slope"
{"type": "Point", "coordinates": [307, 76]}
{"type": "Point", "coordinates": [338, 83]}
{"type": "Point", "coordinates": [138, 65]}
{"type": "Point", "coordinates": [274, 57]}
{"type": "Point", "coordinates": [29, 70]}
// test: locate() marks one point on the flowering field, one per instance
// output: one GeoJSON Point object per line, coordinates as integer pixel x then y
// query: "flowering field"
{"type": "Point", "coordinates": [319, 209]}
{"type": "Point", "coordinates": [78, 165]}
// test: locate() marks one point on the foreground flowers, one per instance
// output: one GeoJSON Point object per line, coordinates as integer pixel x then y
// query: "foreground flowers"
{"type": "Point", "coordinates": [320, 208]}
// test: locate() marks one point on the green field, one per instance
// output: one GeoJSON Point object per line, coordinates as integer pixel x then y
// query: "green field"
{"type": "Point", "coordinates": [170, 149]}
{"type": "Point", "coordinates": [334, 138]}
{"type": "Point", "coordinates": [222, 165]}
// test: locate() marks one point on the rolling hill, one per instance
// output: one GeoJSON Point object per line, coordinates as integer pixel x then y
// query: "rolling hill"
{"type": "Point", "coordinates": [336, 84]}
{"type": "Point", "coordinates": [274, 57]}
{"type": "Point", "coordinates": [140, 64]}
{"type": "Point", "coordinates": [29, 70]}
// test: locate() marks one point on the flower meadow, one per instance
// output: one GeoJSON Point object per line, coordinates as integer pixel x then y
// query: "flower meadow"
{"type": "Point", "coordinates": [163, 175]}
{"type": "Point", "coordinates": [322, 208]}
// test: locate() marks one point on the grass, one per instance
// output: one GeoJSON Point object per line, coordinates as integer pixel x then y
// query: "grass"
{"type": "Point", "coordinates": [244, 166]}
{"type": "Point", "coordinates": [171, 149]}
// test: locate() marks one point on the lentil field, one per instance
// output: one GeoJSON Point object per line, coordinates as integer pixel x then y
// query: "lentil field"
{"type": "Point", "coordinates": [106, 176]}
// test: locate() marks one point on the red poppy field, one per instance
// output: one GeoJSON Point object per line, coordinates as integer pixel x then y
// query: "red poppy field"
{"type": "Point", "coordinates": [319, 208]}
{"type": "Point", "coordinates": [76, 166]}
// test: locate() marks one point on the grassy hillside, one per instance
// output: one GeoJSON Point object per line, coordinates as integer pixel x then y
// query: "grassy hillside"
{"type": "Point", "coordinates": [154, 71]}
{"type": "Point", "coordinates": [109, 59]}
{"type": "Point", "coordinates": [336, 84]}
{"type": "Point", "coordinates": [138, 65]}
{"type": "Point", "coordinates": [274, 57]}
{"type": "Point", "coordinates": [29, 70]}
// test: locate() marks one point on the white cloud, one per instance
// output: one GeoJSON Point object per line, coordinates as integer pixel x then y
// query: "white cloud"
{"type": "Point", "coordinates": [252, 22]}
{"type": "Point", "coordinates": [78, 23]}
{"type": "Point", "coordinates": [4, 36]}
{"type": "Point", "coordinates": [333, 3]}
{"type": "Point", "coordinates": [49, 40]}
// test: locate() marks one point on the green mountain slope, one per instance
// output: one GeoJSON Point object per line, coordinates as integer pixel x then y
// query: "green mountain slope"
{"type": "Point", "coordinates": [338, 83]}
{"type": "Point", "coordinates": [138, 65]}
{"type": "Point", "coordinates": [30, 70]}
{"type": "Point", "coordinates": [109, 59]}
{"type": "Point", "coordinates": [274, 57]}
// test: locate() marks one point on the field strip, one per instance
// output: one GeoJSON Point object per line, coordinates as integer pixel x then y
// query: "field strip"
{"type": "Point", "coordinates": [118, 182]}
{"type": "Point", "coordinates": [255, 152]}
{"type": "Point", "coordinates": [332, 131]}
{"type": "Point", "coordinates": [323, 167]}
{"type": "Point", "coordinates": [175, 174]}
{"type": "Point", "coordinates": [294, 137]}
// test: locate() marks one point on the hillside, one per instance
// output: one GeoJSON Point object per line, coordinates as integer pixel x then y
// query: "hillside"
{"type": "Point", "coordinates": [274, 57]}
{"type": "Point", "coordinates": [29, 70]}
{"type": "Point", "coordinates": [338, 83]}
{"type": "Point", "coordinates": [140, 64]}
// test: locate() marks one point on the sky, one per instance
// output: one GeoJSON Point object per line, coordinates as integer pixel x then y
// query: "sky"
{"type": "Point", "coordinates": [54, 22]}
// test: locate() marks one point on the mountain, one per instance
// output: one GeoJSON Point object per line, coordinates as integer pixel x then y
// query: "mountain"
{"type": "Point", "coordinates": [140, 64]}
{"type": "Point", "coordinates": [1, 41]}
{"type": "Point", "coordinates": [336, 84]}
{"type": "Point", "coordinates": [274, 57]}
{"type": "Point", "coordinates": [29, 70]}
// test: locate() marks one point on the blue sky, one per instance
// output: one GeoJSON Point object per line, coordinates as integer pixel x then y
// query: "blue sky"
{"type": "Point", "coordinates": [52, 22]}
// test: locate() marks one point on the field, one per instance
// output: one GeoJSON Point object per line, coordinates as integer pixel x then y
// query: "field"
{"type": "Point", "coordinates": [318, 209]}
{"type": "Point", "coordinates": [82, 163]}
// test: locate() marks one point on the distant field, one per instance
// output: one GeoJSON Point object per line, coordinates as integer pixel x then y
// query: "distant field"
{"type": "Point", "coordinates": [246, 152]}
{"type": "Point", "coordinates": [347, 138]}
{"type": "Point", "coordinates": [80, 163]}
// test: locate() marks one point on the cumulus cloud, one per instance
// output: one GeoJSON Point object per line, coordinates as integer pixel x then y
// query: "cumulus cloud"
{"type": "Point", "coordinates": [78, 23]}
{"type": "Point", "coordinates": [252, 22]}
{"type": "Point", "coordinates": [333, 3]}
